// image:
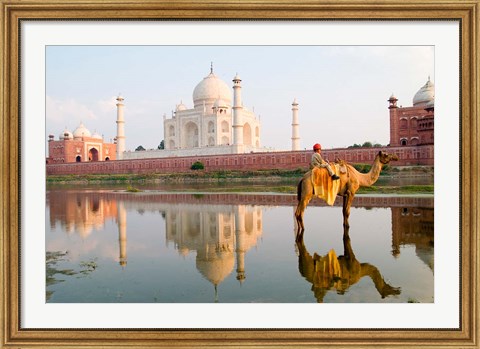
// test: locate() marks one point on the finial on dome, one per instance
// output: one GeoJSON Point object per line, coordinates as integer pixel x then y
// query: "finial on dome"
{"type": "Point", "coordinates": [211, 67]}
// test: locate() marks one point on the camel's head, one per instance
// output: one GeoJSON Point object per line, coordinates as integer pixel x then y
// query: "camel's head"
{"type": "Point", "coordinates": [385, 158]}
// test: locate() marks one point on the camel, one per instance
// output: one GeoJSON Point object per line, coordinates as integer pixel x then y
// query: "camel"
{"type": "Point", "coordinates": [350, 181]}
{"type": "Point", "coordinates": [330, 272]}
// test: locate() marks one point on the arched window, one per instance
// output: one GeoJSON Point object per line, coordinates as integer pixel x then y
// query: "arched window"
{"type": "Point", "coordinates": [171, 131]}
{"type": "Point", "coordinates": [257, 132]}
{"type": "Point", "coordinates": [211, 141]}
{"type": "Point", "coordinates": [247, 134]}
{"type": "Point", "coordinates": [211, 127]}
{"type": "Point", "coordinates": [225, 140]}
{"type": "Point", "coordinates": [171, 144]}
{"type": "Point", "coordinates": [225, 127]}
{"type": "Point", "coordinates": [403, 141]}
{"type": "Point", "coordinates": [78, 159]}
{"type": "Point", "coordinates": [107, 159]}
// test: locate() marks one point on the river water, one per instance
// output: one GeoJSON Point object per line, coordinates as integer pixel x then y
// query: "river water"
{"type": "Point", "coordinates": [111, 246]}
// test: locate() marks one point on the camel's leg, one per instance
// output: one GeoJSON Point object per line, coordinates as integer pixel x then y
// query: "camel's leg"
{"type": "Point", "coordinates": [304, 197]}
{"type": "Point", "coordinates": [347, 203]}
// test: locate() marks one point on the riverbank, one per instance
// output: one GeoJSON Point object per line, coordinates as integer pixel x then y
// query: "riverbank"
{"type": "Point", "coordinates": [226, 176]}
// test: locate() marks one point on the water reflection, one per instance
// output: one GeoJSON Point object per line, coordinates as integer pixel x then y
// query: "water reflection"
{"type": "Point", "coordinates": [221, 235]}
{"type": "Point", "coordinates": [414, 226]}
{"type": "Point", "coordinates": [331, 272]}
{"type": "Point", "coordinates": [218, 231]}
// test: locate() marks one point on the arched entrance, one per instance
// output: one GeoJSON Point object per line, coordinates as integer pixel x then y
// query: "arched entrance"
{"type": "Point", "coordinates": [191, 133]}
{"type": "Point", "coordinates": [78, 158]}
{"type": "Point", "coordinates": [247, 134]}
{"type": "Point", "coordinates": [93, 154]}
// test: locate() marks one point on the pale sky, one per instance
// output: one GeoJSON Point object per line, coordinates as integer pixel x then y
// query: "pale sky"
{"type": "Point", "coordinates": [342, 91]}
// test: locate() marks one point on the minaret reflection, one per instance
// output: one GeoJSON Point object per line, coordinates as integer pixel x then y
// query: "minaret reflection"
{"type": "Point", "coordinates": [221, 236]}
{"type": "Point", "coordinates": [122, 232]}
{"type": "Point", "coordinates": [331, 272]}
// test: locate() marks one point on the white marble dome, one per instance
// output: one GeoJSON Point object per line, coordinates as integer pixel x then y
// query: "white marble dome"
{"type": "Point", "coordinates": [97, 135]}
{"type": "Point", "coordinates": [81, 131]}
{"type": "Point", "coordinates": [66, 134]}
{"type": "Point", "coordinates": [220, 103]}
{"type": "Point", "coordinates": [181, 107]}
{"type": "Point", "coordinates": [210, 89]}
{"type": "Point", "coordinates": [425, 95]}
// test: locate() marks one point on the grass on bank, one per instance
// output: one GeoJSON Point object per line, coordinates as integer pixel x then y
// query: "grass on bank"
{"type": "Point", "coordinates": [209, 176]}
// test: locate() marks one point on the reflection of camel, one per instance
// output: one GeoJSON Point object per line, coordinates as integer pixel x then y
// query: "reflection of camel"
{"type": "Point", "coordinates": [350, 181]}
{"type": "Point", "coordinates": [332, 272]}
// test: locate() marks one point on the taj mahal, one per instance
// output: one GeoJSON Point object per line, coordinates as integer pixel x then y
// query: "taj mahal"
{"type": "Point", "coordinates": [219, 124]}
{"type": "Point", "coordinates": [216, 124]}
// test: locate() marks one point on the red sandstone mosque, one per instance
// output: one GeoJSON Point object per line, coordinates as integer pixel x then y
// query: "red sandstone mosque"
{"type": "Point", "coordinates": [411, 138]}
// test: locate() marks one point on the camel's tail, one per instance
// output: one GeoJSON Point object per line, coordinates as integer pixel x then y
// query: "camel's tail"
{"type": "Point", "coordinates": [299, 190]}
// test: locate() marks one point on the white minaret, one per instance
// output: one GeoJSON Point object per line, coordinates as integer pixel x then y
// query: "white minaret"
{"type": "Point", "coordinates": [295, 127]}
{"type": "Point", "coordinates": [122, 232]}
{"type": "Point", "coordinates": [120, 128]}
{"type": "Point", "coordinates": [237, 122]}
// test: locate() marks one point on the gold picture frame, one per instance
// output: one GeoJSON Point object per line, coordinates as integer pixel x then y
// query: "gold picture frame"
{"type": "Point", "coordinates": [13, 11]}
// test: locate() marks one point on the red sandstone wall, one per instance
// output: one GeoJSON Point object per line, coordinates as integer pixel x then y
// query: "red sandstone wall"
{"type": "Point", "coordinates": [405, 128]}
{"type": "Point", "coordinates": [419, 155]}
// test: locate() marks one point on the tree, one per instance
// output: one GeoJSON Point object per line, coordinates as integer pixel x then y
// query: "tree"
{"type": "Point", "coordinates": [161, 145]}
{"type": "Point", "coordinates": [197, 165]}
{"type": "Point", "coordinates": [367, 145]}
{"type": "Point", "coordinates": [140, 148]}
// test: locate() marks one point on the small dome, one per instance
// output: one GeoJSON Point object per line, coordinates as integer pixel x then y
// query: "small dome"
{"type": "Point", "coordinates": [181, 107]}
{"type": "Point", "coordinates": [237, 77]}
{"type": "Point", "coordinates": [81, 131]}
{"type": "Point", "coordinates": [66, 134]}
{"type": "Point", "coordinates": [210, 89]}
{"type": "Point", "coordinates": [97, 135]}
{"type": "Point", "coordinates": [219, 103]}
{"type": "Point", "coordinates": [425, 95]}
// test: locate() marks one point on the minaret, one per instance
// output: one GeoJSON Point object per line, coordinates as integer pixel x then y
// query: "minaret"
{"type": "Point", "coordinates": [394, 127]}
{"type": "Point", "coordinates": [295, 127]}
{"type": "Point", "coordinates": [237, 122]}
{"type": "Point", "coordinates": [122, 233]}
{"type": "Point", "coordinates": [240, 236]}
{"type": "Point", "coordinates": [120, 128]}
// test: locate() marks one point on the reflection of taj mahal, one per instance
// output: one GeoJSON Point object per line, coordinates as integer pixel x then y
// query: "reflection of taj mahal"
{"type": "Point", "coordinates": [219, 234]}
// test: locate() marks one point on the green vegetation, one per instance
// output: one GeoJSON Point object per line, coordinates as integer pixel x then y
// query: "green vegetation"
{"type": "Point", "coordinates": [366, 144]}
{"type": "Point", "coordinates": [175, 177]}
{"type": "Point", "coordinates": [197, 165]}
{"type": "Point", "coordinates": [131, 189]}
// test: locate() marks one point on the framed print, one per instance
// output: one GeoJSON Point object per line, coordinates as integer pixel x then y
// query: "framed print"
{"type": "Point", "coordinates": [230, 269]}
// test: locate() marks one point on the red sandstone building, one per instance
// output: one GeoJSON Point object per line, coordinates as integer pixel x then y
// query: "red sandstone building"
{"type": "Point", "coordinates": [413, 125]}
{"type": "Point", "coordinates": [79, 146]}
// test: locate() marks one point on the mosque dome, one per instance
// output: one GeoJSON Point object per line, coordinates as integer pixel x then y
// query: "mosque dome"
{"type": "Point", "coordinates": [81, 131]}
{"type": "Point", "coordinates": [210, 89]}
{"type": "Point", "coordinates": [97, 135]}
{"type": "Point", "coordinates": [66, 134]}
{"type": "Point", "coordinates": [425, 95]}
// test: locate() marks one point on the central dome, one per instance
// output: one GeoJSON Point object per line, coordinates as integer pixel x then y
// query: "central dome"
{"type": "Point", "coordinates": [210, 89]}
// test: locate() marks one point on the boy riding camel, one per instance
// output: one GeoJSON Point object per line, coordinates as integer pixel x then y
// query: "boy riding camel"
{"type": "Point", "coordinates": [317, 161]}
